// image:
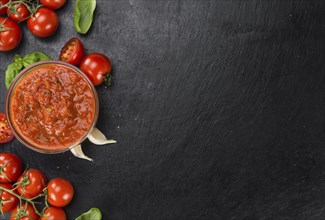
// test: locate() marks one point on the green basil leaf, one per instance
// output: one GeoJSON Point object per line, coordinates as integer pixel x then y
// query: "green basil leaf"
{"type": "Point", "coordinates": [18, 66]}
{"type": "Point", "coordinates": [18, 59]}
{"type": "Point", "coordinates": [83, 15]}
{"type": "Point", "coordinates": [18, 62]}
{"type": "Point", "coordinates": [92, 214]}
{"type": "Point", "coordinates": [34, 57]}
{"type": "Point", "coordinates": [11, 73]}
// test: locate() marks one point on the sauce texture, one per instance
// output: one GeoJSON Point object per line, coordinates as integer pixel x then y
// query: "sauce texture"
{"type": "Point", "coordinates": [52, 107]}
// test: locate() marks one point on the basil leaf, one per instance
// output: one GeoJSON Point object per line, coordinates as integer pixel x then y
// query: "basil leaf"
{"type": "Point", "coordinates": [18, 59]}
{"type": "Point", "coordinates": [92, 214]}
{"type": "Point", "coordinates": [18, 62]}
{"type": "Point", "coordinates": [34, 57]}
{"type": "Point", "coordinates": [18, 66]}
{"type": "Point", "coordinates": [11, 73]}
{"type": "Point", "coordinates": [83, 15]}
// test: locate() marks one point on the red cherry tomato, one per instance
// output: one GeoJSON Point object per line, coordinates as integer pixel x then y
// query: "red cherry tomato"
{"type": "Point", "coordinates": [21, 14]}
{"type": "Point", "coordinates": [10, 34]}
{"type": "Point", "coordinates": [7, 200]}
{"type": "Point", "coordinates": [31, 183]}
{"type": "Point", "coordinates": [10, 167]}
{"type": "Point", "coordinates": [72, 52]}
{"type": "Point", "coordinates": [25, 212]}
{"type": "Point", "coordinates": [54, 213]}
{"type": "Point", "coordinates": [53, 4]}
{"type": "Point", "coordinates": [60, 192]}
{"type": "Point", "coordinates": [3, 10]}
{"type": "Point", "coordinates": [96, 66]}
{"type": "Point", "coordinates": [6, 134]}
{"type": "Point", "coordinates": [43, 23]}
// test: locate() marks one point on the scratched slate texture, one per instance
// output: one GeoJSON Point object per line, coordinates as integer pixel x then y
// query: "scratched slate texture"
{"type": "Point", "coordinates": [217, 107]}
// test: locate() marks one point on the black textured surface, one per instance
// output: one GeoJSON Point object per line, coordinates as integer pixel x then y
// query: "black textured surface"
{"type": "Point", "coordinates": [217, 107]}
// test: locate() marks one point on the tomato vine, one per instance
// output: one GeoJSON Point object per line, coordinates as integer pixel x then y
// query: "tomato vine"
{"type": "Point", "coordinates": [23, 200]}
{"type": "Point", "coordinates": [13, 5]}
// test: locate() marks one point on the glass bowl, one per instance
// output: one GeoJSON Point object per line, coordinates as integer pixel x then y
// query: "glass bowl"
{"type": "Point", "coordinates": [20, 136]}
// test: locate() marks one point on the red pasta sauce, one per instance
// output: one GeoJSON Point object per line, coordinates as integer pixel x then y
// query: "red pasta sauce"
{"type": "Point", "coordinates": [52, 107]}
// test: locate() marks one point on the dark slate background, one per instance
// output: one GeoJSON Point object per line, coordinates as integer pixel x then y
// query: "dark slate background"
{"type": "Point", "coordinates": [217, 107]}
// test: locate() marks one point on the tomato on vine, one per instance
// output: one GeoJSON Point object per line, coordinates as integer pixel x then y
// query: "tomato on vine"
{"type": "Point", "coordinates": [60, 192]}
{"type": "Point", "coordinates": [18, 12]}
{"type": "Point", "coordinates": [53, 4]}
{"type": "Point", "coordinates": [7, 200]}
{"type": "Point", "coordinates": [10, 34]}
{"type": "Point", "coordinates": [10, 167]}
{"type": "Point", "coordinates": [43, 23]}
{"type": "Point", "coordinates": [31, 183]}
{"type": "Point", "coordinates": [54, 213]}
{"type": "Point", "coordinates": [24, 212]}
{"type": "Point", "coordinates": [3, 10]}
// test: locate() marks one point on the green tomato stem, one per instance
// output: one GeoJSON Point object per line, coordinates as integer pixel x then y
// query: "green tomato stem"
{"type": "Point", "coordinates": [26, 200]}
{"type": "Point", "coordinates": [31, 6]}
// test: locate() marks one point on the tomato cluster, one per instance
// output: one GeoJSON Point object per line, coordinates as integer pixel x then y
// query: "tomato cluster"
{"type": "Point", "coordinates": [96, 66]}
{"type": "Point", "coordinates": [18, 191]}
{"type": "Point", "coordinates": [42, 20]}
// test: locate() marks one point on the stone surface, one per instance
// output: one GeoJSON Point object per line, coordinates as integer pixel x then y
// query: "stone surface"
{"type": "Point", "coordinates": [217, 107]}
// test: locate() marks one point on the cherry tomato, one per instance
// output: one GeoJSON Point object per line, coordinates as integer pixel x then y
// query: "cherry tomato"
{"type": "Point", "coordinates": [8, 201]}
{"type": "Point", "coordinates": [25, 212]}
{"type": "Point", "coordinates": [96, 66]}
{"type": "Point", "coordinates": [10, 167]}
{"type": "Point", "coordinates": [43, 23]}
{"type": "Point", "coordinates": [60, 192]}
{"type": "Point", "coordinates": [72, 52]}
{"type": "Point", "coordinates": [10, 34]}
{"type": "Point", "coordinates": [54, 213]}
{"type": "Point", "coordinates": [3, 10]}
{"type": "Point", "coordinates": [53, 4]}
{"type": "Point", "coordinates": [6, 134]}
{"type": "Point", "coordinates": [31, 183]}
{"type": "Point", "coordinates": [21, 14]}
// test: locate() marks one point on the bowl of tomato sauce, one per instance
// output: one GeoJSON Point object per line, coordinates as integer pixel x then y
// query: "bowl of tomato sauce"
{"type": "Point", "coordinates": [51, 106]}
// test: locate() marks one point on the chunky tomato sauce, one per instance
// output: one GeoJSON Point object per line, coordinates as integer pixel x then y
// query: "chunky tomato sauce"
{"type": "Point", "coordinates": [52, 107]}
